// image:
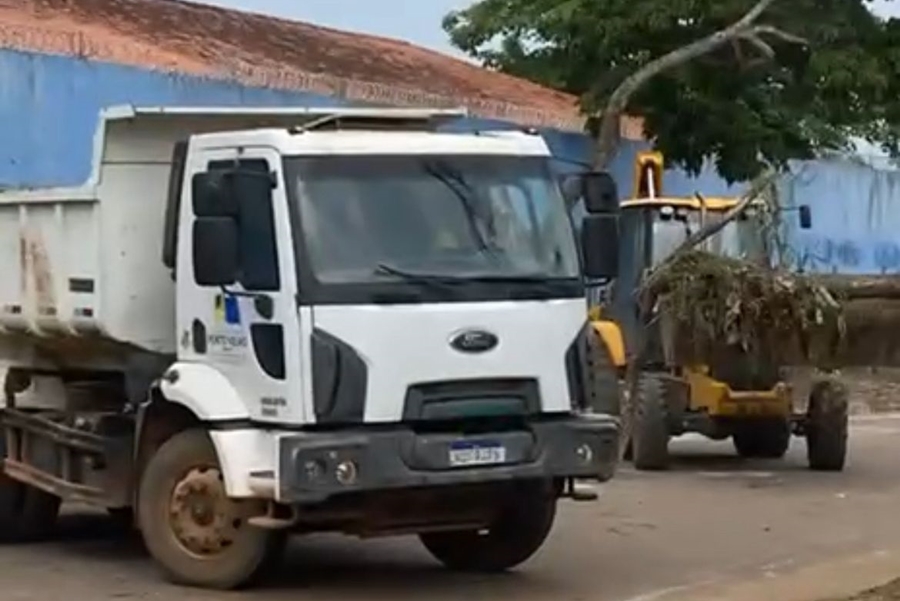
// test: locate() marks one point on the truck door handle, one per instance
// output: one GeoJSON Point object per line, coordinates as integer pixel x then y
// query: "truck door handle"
{"type": "Point", "coordinates": [264, 306]}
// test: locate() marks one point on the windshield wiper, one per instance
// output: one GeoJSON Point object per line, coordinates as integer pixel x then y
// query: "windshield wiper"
{"type": "Point", "coordinates": [449, 178]}
{"type": "Point", "coordinates": [515, 279]}
{"type": "Point", "coordinates": [430, 279]}
{"type": "Point", "coordinates": [536, 278]}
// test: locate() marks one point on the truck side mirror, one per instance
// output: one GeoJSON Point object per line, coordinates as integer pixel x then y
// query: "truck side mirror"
{"type": "Point", "coordinates": [571, 186]}
{"type": "Point", "coordinates": [215, 251]}
{"type": "Point", "coordinates": [213, 194]}
{"type": "Point", "coordinates": [600, 246]}
{"type": "Point", "coordinates": [601, 195]}
{"type": "Point", "coordinates": [805, 217]}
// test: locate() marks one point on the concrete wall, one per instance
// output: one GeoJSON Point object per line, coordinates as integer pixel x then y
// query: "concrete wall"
{"type": "Point", "coordinates": [856, 217]}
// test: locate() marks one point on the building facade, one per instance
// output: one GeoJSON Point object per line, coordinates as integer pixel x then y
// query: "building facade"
{"type": "Point", "coordinates": [63, 61]}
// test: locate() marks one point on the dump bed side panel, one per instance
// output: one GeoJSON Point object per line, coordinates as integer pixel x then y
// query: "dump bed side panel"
{"type": "Point", "coordinates": [137, 289]}
{"type": "Point", "coordinates": [50, 263]}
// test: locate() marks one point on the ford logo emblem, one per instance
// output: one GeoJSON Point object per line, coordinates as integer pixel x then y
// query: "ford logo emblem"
{"type": "Point", "coordinates": [474, 341]}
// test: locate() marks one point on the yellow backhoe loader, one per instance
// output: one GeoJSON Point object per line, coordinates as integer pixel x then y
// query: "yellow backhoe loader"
{"type": "Point", "coordinates": [734, 397]}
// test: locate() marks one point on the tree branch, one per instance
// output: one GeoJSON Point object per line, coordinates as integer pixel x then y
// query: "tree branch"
{"type": "Point", "coordinates": [778, 33]}
{"type": "Point", "coordinates": [608, 136]}
{"type": "Point", "coordinates": [766, 50]}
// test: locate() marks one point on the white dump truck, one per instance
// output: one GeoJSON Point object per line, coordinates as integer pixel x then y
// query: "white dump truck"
{"type": "Point", "coordinates": [250, 323]}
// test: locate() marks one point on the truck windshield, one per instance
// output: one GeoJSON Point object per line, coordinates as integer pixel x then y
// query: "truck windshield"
{"type": "Point", "coordinates": [377, 218]}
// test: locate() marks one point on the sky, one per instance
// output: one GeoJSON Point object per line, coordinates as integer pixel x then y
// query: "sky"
{"type": "Point", "coordinates": [417, 21]}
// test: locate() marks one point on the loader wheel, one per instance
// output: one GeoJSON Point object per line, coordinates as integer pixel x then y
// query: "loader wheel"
{"type": "Point", "coordinates": [603, 388]}
{"type": "Point", "coordinates": [196, 533]}
{"type": "Point", "coordinates": [762, 439]}
{"type": "Point", "coordinates": [826, 426]}
{"type": "Point", "coordinates": [27, 514]}
{"type": "Point", "coordinates": [650, 434]}
{"type": "Point", "coordinates": [519, 531]}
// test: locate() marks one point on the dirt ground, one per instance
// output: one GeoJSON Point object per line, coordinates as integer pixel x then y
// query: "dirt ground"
{"type": "Point", "coordinates": [714, 527]}
{"type": "Point", "coordinates": [872, 390]}
{"type": "Point", "coordinates": [888, 592]}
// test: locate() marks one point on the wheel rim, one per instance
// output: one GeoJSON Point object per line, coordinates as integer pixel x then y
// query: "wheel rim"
{"type": "Point", "coordinates": [203, 520]}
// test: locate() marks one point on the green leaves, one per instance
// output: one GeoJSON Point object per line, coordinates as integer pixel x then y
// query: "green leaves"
{"type": "Point", "coordinates": [736, 105]}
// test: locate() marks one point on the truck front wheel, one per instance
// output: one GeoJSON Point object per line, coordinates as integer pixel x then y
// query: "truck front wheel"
{"type": "Point", "coordinates": [517, 533]}
{"type": "Point", "coordinates": [198, 535]}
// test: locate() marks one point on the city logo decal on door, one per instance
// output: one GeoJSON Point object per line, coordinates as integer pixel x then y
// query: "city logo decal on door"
{"type": "Point", "coordinates": [227, 337]}
{"type": "Point", "coordinates": [227, 310]}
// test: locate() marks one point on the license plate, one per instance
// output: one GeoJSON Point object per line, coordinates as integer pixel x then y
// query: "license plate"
{"type": "Point", "coordinates": [465, 454]}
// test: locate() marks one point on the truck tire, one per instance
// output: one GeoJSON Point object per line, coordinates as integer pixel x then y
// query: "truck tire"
{"type": "Point", "coordinates": [827, 420]}
{"type": "Point", "coordinates": [11, 493]}
{"type": "Point", "coordinates": [762, 439]}
{"type": "Point", "coordinates": [40, 512]}
{"type": "Point", "coordinates": [199, 536]}
{"type": "Point", "coordinates": [603, 388]}
{"type": "Point", "coordinates": [27, 514]}
{"type": "Point", "coordinates": [650, 434]}
{"type": "Point", "coordinates": [517, 534]}
{"type": "Point", "coordinates": [122, 518]}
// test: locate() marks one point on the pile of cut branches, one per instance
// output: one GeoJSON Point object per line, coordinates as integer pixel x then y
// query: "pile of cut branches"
{"type": "Point", "coordinates": [708, 304]}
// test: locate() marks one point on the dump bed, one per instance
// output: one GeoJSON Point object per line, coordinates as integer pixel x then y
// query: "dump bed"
{"type": "Point", "coordinates": [86, 262]}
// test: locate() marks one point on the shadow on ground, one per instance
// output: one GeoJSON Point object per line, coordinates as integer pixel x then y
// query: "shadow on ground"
{"type": "Point", "coordinates": [331, 566]}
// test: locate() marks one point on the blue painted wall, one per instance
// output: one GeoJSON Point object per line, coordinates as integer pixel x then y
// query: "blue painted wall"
{"type": "Point", "coordinates": [856, 217]}
{"type": "Point", "coordinates": [49, 106]}
{"type": "Point", "coordinates": [855, 207]}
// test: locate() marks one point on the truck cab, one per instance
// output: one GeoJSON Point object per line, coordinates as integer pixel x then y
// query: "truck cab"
{"type": "Point", "coordinates": [377, 328]}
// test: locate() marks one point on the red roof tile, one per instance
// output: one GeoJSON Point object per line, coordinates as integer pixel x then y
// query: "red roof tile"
{"type": "Point", "coordinates": [179, 36]}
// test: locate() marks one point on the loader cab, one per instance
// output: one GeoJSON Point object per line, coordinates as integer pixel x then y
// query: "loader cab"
{"type": "Point", "coordinates": [653, 226]}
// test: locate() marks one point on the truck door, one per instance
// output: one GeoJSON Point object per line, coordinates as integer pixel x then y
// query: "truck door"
{"type": "Point", "coordinates": [248, 329]}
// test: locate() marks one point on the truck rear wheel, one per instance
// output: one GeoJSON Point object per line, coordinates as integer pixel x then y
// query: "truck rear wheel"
{"type": "Point", "coordinates": [196, 533]}
{"type": "Point", "coordinates": [762, 439]}
{"type": "Point", "coordinates": [827, 420]}
{"type": "Point", "coordinates": [511, 540]}
{"type": "Point", "coordinates": [650, 435]}
{"type": "Point", "coordinates": [26, 513]}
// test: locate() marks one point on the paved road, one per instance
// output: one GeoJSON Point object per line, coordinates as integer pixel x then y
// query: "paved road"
{"type": "Point", "coordinates": [712, 520]}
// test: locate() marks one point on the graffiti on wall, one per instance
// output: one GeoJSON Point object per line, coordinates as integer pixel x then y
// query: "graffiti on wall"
{"type": "Point", "coordinates": [825, 254]}
{"type": "Point", "coordinates": [855, 216]}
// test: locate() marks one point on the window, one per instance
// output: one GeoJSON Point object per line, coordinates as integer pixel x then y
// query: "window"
{"type": "Point", "coordinates": [257, 243]}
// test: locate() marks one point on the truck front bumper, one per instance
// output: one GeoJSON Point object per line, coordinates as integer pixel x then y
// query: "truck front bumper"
{"type": "Point", "coordinates": [314, 466]}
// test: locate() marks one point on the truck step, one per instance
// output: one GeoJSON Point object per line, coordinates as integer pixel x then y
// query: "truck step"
{"type": "Point", "coordinates": [581, 492]}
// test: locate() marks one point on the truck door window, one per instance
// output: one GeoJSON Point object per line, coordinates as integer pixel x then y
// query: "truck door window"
{"type": "Point", "coordinates": [258, 248]}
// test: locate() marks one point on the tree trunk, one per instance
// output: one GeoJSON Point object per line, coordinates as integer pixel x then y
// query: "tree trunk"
{"type": "Point", "coordinates": [858, 287]}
